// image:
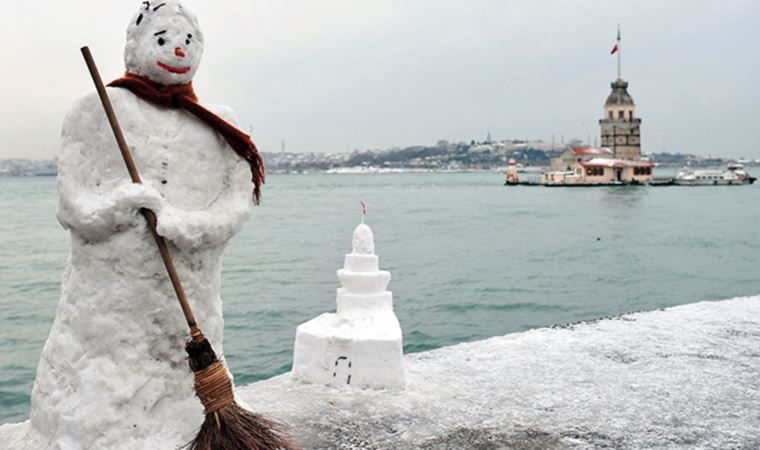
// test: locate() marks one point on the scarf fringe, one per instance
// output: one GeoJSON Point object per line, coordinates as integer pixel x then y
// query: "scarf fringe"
{"type": "Point", "coordinates": [258, 173]}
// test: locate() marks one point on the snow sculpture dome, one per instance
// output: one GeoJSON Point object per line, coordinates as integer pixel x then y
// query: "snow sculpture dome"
{"type": "Point", "coordinates": [364, 241]}
{"type": "Point", "coordinates": [164, 43]}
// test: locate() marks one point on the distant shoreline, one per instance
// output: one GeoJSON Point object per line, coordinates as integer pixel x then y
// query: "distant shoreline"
{"type": "Point", "coordinates": [363, 171]}
{"type": "Point", "coordinates": [295, 164]}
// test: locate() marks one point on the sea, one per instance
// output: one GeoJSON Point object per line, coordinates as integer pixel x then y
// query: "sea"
{"type": "Point", "coordinates": [470, 258]}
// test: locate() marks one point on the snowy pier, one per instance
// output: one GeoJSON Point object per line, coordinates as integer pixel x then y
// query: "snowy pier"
{"type": "Point", "coordinates": [686, 377]}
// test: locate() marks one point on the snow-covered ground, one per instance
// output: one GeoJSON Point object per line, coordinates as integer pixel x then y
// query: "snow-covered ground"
{"type": "Point", "coordinates": [685, 377]}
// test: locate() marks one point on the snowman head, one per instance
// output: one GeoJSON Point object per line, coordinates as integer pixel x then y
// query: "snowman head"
{"type": "Point", "coordinates": [164, 43]}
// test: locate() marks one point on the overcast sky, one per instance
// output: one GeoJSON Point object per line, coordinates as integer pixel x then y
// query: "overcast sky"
{"type": "Point", "coordinates": [339, 75]}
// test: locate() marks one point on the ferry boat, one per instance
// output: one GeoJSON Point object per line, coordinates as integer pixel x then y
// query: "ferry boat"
{"type": "Point", "coordinates": [733, 174]}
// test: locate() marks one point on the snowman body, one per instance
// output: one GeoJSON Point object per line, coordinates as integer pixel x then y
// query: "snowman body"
{"type": "Point", "coordinates": [113, 372]}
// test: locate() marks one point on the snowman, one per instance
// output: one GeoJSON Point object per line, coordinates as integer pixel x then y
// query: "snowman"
{"type": "Point", "coordinates": [113, 372]}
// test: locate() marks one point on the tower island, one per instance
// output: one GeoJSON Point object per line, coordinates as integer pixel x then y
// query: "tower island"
{"type": "Point", "coordinates": [618, 160]}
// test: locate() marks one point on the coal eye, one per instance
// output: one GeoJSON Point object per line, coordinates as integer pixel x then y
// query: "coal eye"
{"type": "Point", "coordinates": [161, 41]}
{"type": "Point", "coordinates": [187, 41]}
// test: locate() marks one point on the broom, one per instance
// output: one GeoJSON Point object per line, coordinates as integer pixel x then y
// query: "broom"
{"type": "Point", "coordinates": [227, 425]}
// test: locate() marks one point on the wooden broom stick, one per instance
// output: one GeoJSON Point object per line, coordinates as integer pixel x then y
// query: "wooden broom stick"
{"type": "Point", "coordinates": [150, 217]}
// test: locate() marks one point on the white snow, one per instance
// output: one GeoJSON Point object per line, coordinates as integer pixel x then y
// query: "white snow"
{"type": "Point", "coordinates": [686, 377]}
{"type": "Point", "coordinates": [683, 378]}
{"type": "Point", "coordinates": [361, 344]}
{"type": "Point", "coordinates": [113, 372]}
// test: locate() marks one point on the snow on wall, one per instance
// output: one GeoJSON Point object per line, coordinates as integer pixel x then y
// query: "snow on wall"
{"type": "Point", "coordinates": [686, 377]}
{"type": "Point", "coordinates": [683, 378]}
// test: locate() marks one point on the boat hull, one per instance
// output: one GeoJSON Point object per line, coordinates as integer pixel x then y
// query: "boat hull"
{"type": "Point", "coordinates": [678, 182]}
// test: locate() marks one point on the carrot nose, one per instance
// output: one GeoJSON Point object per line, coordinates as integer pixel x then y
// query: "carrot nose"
{"type": "Point", "coordinates": [178, 51]}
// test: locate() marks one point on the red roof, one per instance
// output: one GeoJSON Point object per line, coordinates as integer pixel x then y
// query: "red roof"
{"type": "Point", "coordinates": [592, 151]}
{"type": "Point", "coordinates": [605, 162]}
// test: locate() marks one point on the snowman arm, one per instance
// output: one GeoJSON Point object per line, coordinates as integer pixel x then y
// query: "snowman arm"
{"type": "Point", "coordinates": [96, 198]}
{"type": "Point", "coordinates": [216, 224]}
{"type": "Point", "coordinates": [235, 199]}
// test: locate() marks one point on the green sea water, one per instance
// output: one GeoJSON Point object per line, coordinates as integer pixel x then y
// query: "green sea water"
{"type": "Point", "coordinates": [469, 258]}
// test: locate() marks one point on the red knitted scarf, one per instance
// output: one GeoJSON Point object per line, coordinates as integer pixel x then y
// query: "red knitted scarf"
{"type": "Point", "coordinates": [183, 96]}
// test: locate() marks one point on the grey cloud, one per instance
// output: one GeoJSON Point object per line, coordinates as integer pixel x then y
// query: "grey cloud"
{"type": "Point", "coordinates": [337, 75]}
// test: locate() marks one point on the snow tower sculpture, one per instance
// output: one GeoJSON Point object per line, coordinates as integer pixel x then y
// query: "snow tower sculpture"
{"type": "Point", "coordinates": [113, 373]}
{"type": "Point", "coordinates": [361, 344]}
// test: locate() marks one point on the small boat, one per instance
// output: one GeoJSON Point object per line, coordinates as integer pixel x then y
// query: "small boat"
{"type": "Point", "coordinates": [512, 169]}
{"type": "Point", "coordinates": [733, 174]}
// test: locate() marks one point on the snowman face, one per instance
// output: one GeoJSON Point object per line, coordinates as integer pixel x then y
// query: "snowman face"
{"type": "Point", "coordinates": [164, 44]}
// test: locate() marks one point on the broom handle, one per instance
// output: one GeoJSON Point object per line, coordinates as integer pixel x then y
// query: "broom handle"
{"type": "Point", "coordinates": [150, 217]}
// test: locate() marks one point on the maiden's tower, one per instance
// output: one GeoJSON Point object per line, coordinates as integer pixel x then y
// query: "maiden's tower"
{"type": "Point", "coordinates": [620, 127]}
{"type": "Point", "coordinates": [618, 160]}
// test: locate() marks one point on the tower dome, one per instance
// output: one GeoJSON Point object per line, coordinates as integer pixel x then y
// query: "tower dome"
{"type": "Point", "coordinates": [619, 94]}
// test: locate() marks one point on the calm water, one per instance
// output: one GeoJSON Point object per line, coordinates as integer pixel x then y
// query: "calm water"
{"type": "Point", "coordinates": [469, 258]}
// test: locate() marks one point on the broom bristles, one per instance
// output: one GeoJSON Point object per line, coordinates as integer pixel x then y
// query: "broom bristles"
{"type": "Point", "coordinates": [227, 427]}
{"type": "Point", "coordinates": [234, 428]}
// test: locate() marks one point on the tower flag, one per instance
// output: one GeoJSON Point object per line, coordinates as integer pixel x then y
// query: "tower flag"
{"type": "Point", "coordinates": [616, 49]}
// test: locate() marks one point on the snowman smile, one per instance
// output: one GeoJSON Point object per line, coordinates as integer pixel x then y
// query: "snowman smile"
{"type": "Point", "coordinates": [173, 69]}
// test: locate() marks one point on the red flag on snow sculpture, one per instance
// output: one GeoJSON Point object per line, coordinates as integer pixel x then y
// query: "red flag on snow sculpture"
{"type": "Point", "coordinates": [614, 50]}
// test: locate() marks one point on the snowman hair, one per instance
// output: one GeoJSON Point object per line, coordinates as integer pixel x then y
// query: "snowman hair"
{"type": "Point", "coordinates": [140, 14]}
{"type": "Point", "coordinates": [147, 12]}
